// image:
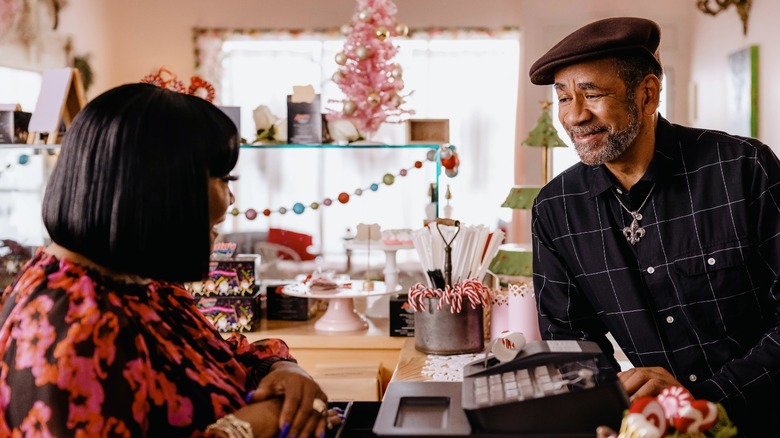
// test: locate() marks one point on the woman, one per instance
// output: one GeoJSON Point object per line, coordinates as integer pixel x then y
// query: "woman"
{"type": "Point", "coordinates": [97, 337]}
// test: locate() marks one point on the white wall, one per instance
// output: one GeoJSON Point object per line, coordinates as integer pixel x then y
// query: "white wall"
{"type": "Point", "coordinates": [713, 38]}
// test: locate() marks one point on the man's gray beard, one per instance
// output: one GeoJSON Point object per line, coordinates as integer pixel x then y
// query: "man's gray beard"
{"type": "Point", "coordinates": [617, 142]}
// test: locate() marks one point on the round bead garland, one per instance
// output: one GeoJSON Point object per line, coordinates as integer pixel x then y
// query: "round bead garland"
{"type": "Point", "coordinates": [344, 197]}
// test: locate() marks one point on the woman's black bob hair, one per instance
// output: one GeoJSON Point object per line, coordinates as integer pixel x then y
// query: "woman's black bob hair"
{"type": "Point", "coordinates": [130, 187]}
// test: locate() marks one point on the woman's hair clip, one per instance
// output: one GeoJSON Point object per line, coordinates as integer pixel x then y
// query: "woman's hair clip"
{"type": "Point", "coordinates": [165, 78]}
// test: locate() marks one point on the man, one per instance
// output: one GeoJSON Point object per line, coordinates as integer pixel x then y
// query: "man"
{"type": "Point", "coordinates": [665, 236]}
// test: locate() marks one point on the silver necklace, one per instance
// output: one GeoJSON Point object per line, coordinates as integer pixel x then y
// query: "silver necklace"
{"type": "Point", "coordinates": [634, 232]}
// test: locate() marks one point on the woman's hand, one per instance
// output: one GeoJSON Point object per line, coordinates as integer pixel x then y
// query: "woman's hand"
{"type": "Point", "coordinates": [646, 381]}
{"type": "Point", "coordinates": [263, 416]}
{"type": "Point", "coordinates": [301, 415]}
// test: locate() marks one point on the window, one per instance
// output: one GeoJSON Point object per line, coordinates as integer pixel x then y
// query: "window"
{"type": "Point", "coordinates": [23, 170]}
{"type": "Point", "coordinates": [468, 77]}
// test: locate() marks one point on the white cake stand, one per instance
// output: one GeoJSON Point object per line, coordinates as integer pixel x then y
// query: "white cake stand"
{"type": "Point", "coordinates": [380, 307]}
{"type": "Point", "coordinates": [341, 315]}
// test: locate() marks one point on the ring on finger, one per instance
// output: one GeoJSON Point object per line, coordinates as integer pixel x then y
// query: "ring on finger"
{"type": "Point", "coordinates": [320, 406]}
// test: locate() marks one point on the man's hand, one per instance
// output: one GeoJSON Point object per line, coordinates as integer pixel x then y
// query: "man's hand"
{"type": "Point", "coordinates": [646, 381]}
{"type": "Point", "coordinates": [298, 391]}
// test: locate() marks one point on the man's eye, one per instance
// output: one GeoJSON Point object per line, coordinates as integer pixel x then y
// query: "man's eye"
{"type": "Point", "coordinates": [563, 99]}
{"type": "Point", "coordinates": [229, 178]}
{"type": "Point", "coordinates": [592, 96]}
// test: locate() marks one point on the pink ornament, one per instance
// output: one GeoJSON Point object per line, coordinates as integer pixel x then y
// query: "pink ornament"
{"type": "Point", "coordinates": [369, 78]}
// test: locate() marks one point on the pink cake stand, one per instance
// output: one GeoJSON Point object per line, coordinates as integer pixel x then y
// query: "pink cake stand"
{"type": "Point", "coordinates": [341, 315]}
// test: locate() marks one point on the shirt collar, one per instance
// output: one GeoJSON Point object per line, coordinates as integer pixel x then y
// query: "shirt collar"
{"type": "Point", "coordinates": [658, 170]}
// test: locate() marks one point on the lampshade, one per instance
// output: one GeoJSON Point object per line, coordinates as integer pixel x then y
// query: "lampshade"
{"type": "Point", "coordinates": [513, 260]}
{"type": "Point", "coordinates": [521, 198]}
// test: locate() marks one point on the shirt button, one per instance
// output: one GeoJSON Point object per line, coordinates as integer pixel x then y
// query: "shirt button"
{"type": "Point", "coordinates": [692, 377]}
{"type": "Point", "coordinates": [670, 319]}
{"type": "Point", "coordinates": [619, 191]}
{"type": "Point", "coordinates": [710, 261]}
{"type": "Point", "coordinates": [650, 270]}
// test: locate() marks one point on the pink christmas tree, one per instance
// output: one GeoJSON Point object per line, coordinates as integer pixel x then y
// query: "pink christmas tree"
{"type": "Point", "coordinates": [369, 78]}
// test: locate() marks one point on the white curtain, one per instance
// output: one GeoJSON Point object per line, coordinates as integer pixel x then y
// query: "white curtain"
{"type": "Point", "coordinates": [467, 76]}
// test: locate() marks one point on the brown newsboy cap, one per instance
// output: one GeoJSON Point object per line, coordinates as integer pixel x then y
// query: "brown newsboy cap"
{"type": "Point", "coordinates": [599, 39]}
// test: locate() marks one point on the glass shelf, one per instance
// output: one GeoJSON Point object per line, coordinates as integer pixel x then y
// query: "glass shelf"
{"type": "Point", "coordinates": [28, 146]}
{"type": "Point", "coordinates": [339, 146]}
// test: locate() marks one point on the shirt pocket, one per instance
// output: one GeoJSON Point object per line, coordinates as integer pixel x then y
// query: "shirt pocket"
{"type": "Point", "coordinates": [716, 286]}
{"type": "Point", "coordinates": [712, 259]}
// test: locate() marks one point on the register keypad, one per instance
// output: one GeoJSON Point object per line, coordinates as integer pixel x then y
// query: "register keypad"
{"type": "Point", "coordinates": [517, 385]}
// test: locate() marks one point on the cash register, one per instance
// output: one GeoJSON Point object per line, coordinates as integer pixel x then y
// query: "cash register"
{"type": "Point", "coordinates": [551, 389]}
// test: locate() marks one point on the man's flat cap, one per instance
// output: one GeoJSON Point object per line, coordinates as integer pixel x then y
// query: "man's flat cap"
{"type": "Point", "coordinates": [596, 40]}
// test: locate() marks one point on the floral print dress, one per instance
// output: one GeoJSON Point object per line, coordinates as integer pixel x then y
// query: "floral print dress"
{"type": "Point", "coordinates": [82, 354]}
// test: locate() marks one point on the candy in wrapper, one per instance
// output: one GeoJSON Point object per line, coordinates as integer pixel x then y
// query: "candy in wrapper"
{"type": "Point", "coordinates": [651, 409]}
{"type": "Point", "coordinates": [696, 417]}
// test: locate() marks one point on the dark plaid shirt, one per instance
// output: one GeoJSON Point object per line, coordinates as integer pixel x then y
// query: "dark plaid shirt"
{"type": "Point", "coordinates": [698, 295]}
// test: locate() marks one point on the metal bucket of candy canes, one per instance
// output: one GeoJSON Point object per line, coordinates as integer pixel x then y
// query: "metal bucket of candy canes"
{"type": "Point", "coordinates": [449, 320]}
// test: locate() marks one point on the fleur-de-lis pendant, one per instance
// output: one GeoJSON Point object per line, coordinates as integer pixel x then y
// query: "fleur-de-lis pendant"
{"type": "Point", "coordinates": [634, 232]}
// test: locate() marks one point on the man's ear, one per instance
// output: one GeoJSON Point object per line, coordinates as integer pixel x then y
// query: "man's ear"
{"type": "Point", "coordinates": [650, 94]}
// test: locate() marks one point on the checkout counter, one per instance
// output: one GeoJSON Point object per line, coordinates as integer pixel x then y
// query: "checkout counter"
{"type": "Point", "coordinates": [551, 389]}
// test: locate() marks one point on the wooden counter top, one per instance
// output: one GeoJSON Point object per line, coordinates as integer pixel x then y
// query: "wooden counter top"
{"type": "Point", "coordinates": [313, 347]}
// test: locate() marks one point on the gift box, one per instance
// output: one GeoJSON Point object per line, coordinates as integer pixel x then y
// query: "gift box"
{"type": "Point", "coordinates": [231, 313]}
{"type": "Point", "coordinates": [401, 317]}
{"type": "Point", "coordinates": [228, 276]}
{"type": "Point", "coordinates": [304, 120]}
{"type": "Point", "coordinates": [13, 126]}
{"type": "Point", "coordinates": [286, 308]}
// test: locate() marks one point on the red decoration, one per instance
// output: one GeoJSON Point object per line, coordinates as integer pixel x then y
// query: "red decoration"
{"type": "Point", "coordinates": [165, 78]}
{"type": "Point", "coordinates": [452, 162]}
{"type": "Point", "coordinates": [418, 164]}
{"type": "Point", "coordinates": [343, 197]}
{"type": "Point", "coordinates": [198, 83]}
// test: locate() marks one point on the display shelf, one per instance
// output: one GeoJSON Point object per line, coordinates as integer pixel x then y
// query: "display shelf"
{"type": "Point", "coordinates": [29, 146]}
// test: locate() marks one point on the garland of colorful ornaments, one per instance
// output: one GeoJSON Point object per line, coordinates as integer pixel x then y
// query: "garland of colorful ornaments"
{"type": "Point", "coordinates": [447, 155]}
{"type": "Point", "coordinates": [22, 160]}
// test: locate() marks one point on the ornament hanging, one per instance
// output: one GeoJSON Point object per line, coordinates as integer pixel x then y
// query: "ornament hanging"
{"type": "Point", "coordinates": [341, 58]}
{"type": "Point", "coordinates": [401, 29]}
{"type": "Point", "coordinates": [373, 99]}
{"type": "Point", "coordinates": [362, 52]}
{"type": "Point", "coordinates": [382, 33]}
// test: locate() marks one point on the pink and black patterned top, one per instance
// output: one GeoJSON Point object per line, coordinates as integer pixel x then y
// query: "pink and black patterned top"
{"type": "Point", "coordinates": [84, 354]}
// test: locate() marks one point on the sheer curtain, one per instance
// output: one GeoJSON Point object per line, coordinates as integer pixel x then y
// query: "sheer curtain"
{"type": "Point", "coordinates": [467, 76]}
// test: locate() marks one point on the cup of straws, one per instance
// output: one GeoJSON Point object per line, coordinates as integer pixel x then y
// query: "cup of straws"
{"type": "Point", "coordinates": [449, 310]}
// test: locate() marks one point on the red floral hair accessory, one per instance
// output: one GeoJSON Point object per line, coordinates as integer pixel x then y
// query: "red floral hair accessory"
{"type": "Point", "coordinates": [165, 78]}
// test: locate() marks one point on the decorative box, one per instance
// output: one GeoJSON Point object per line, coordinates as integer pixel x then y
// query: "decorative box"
{"type": "Point", "coordinates": [428, 131]}
{"type": "Point", "coordinates": [228, 276]}
{"type": "Point", "coordinates": [286, 308]}
{"type": "Point", "coordinates": [304, 121]}
{"type": "Point", "coordinates": [13, 126]}
{"type": "Point", "coordinates": [231, 314]}
{"type": "Point", "coordinates": [401, 317]}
